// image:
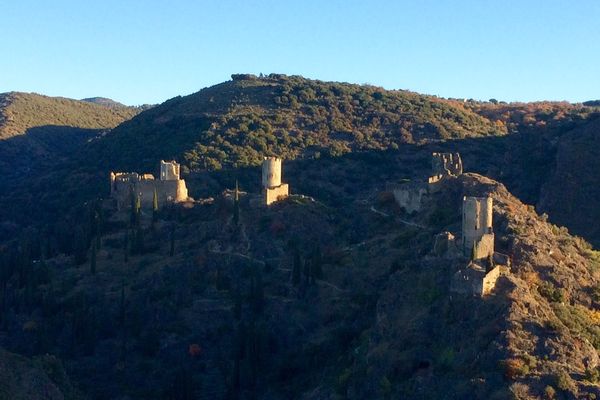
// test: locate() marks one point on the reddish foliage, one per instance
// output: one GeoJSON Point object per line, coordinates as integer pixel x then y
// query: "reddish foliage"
{"type": "Point", "coordinates": [277, 227]}
{"type": "Point", "coordinates": [195, 350]}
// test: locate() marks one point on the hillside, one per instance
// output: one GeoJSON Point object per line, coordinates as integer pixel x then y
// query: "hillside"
{"type": "Point", "coordinates": [225, 315]}
{"type": "Point", "coordinates": [233, 124]}
{"type": "Point", "coordinates": [43, 378]}
{"type": "Point", "coordinates": [20, 112]}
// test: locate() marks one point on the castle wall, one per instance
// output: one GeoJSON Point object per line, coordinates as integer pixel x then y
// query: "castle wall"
{"type": "Point", "coordinates": [476, 221]}
{"type": "Point", "coordinates": [124, 185]}
{"type": "Point", "coordinates": [444, 243]}
{"type": "Point", "coordinates": [274, 194]}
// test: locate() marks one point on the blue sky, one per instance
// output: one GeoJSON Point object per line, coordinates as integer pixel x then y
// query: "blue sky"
{"type": "Point", "coordinates": [148, 51]}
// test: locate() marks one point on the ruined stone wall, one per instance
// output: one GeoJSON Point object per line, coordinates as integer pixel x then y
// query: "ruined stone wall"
{"type": "Point", "coordinates": [167, 191]}
{"type": "Point", "coordinates": [446, 164]}
{"type": "Point", "coordinates": [474, 280]}
{"type": "Point", "coordinates": [409, 196]}
{"type": "Point", "coordinates": [484, 247]}
{"type": "Point", "coordinates": [477, 221]}
{"type": "Point", "coordinates": [169, 170]}
{"type": "Point", "coordinates": [489, 281]}
{"type": "Point", "coordinates": [444, 244]}
{"type": "Point", "coordinates": [271, 195]}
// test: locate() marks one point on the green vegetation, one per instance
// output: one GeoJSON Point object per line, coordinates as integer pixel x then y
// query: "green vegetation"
{"type": "Point", "coordinates": [235, 123]}
{"type": "Point", "coordinates": [22, 111]}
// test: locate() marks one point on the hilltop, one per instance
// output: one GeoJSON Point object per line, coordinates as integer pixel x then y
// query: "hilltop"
{"type": "Point", "coordinates": [103, 101]}
{"type": "Point", "coordinates": [233, 124]}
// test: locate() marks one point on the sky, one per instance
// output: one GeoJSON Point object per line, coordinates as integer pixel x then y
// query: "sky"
{"type": "Point", "coordinates": [145, 52]}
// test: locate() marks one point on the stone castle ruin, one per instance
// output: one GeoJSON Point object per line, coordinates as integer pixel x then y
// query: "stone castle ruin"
{"type": "Point", "coordinates": [445, 165]}
{"type": "Point", "coordinates": [409, 195]}
{"type": "Point", "coordinates": [170, 188]}
{"type": "Point", "coordinates": [273, 189]}
{"type": "Point", "coordinates": [486, 266]}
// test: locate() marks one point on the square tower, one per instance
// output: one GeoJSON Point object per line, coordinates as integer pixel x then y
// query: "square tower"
{"type": "Point", "coordinates": [169, 170]}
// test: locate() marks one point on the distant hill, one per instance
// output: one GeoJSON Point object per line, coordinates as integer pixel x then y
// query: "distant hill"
{"type": "Point", "coordinates": [103, 101]}
{"type": "Point", "coordinates": [20, 112]}
{"type": "Point", "coordinates": [235, 123]}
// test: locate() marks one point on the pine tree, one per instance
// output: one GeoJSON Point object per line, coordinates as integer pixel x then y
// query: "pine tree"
{"type": "Point", "coordinates": [93, 258]}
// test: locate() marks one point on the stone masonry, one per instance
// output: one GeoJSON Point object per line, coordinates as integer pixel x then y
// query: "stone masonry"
{"type": "Point", "coordinates": [273, 189]}
{"type": "Point", "coordinates": [169, 188]}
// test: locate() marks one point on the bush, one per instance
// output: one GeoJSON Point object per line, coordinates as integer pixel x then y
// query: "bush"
{"type": "Point", "coordinates": [549, 392]}
{"type": "Point", "coordinates": [514, 368]}
{"type": "Point", "coordinates": [564, 381]}
{"type": "Point", "coordinates": [592, 375]}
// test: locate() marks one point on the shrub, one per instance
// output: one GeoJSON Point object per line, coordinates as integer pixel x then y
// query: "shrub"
{"type": "Point", "coordinates": [592, 375]}
{"type": "Point", "coordinates": [549, 392]}
{"type": "Point", "coordinates": [514, 368]}
{"type": "Point", "coordinates": [564, 381]}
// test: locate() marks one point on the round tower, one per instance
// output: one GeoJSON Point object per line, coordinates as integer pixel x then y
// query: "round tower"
{"type": "Point", "coordinates": [271, 172]}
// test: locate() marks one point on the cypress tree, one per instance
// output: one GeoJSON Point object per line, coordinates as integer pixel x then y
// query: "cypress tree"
{"type": "Point", "coordinates": [93, 258]}
{"type": "Point", "coordinates": [138, 209]}
{"type": "Point", "coordinates": [297, 267]}
{"type": "Point", "coordinates": [258, 293]}
{"type": "Point", "coordinates": [236, 204]}
{"type": "Point", "coordinates": [122, 323]}
{"type": "Point", "coordinates": [155, 206]}
{"type": "Point", "coordinates": [237, 306]}
{"type": "Point", "coordinates": [139, 240]}
{"type": "Point", "coordinates": [317, 263]}
{"type": "Point", "coordinates": [172, 240]}
{"type": "Point", "coordinates": [133, 198]}
{"type": "Point", "coordinates": [474, 251]}
{"type": "Point", "coordinates": [126, 246]}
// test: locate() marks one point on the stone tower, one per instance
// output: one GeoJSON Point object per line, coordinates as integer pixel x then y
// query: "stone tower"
{"type": "Point", "coordinates": [273, 189]}
{"type": "Point", "coordinates": [169, 170]}
{"type": "Point", "coordinates": [271, 172]}
{"type": "Point", "coordinates": [477, 234]}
